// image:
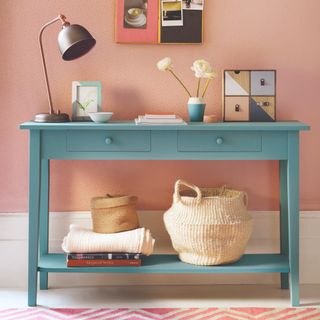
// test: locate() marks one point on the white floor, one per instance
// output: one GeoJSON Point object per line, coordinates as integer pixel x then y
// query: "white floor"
{"type": "Point", "coordinates": [163, 296]}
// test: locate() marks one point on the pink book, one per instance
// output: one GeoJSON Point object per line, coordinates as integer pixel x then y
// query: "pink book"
{"type": "Point", "coordinates": [160, 115]}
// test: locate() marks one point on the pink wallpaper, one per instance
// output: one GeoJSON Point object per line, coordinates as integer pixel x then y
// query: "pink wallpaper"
{"type": "Point", "coordinates": [283, 35]}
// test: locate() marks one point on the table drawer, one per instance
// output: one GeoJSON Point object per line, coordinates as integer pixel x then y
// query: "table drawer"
{"type": "Point", "coordinates": [108, 140]}
{"type": "Point", "coordinates": [219, 141]}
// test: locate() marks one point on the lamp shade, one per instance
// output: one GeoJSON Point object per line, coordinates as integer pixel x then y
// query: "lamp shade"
{"type": "Point", "coordinates": [74, 41]}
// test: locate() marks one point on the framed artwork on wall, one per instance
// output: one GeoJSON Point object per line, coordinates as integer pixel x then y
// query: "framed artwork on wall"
{"type": "Point", "coordinates": [188, 28]}
{"type": "Point", "coordinates": [136, 21]}
{"type": "Point", "coordinates": [159, 21]}
{"type": "Point", "coordinates": [86, 97]}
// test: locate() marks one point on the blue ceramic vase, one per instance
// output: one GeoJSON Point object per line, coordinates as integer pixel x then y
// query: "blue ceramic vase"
{"type": "Point", "coordinates": [196, 107]}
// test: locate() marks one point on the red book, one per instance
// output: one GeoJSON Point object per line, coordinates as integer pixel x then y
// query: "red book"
{"type": "Point", "coordinates": [104, 263]}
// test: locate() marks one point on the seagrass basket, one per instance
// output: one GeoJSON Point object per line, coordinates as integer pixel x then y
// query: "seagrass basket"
{"type": "Point", "coordinates": [208, 226]}
{"type": "Point", "coordinates": [112, 214]}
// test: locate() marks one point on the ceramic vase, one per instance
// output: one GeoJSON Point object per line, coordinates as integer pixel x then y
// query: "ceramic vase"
{"type": "Point", "coordinates": [196, 107]}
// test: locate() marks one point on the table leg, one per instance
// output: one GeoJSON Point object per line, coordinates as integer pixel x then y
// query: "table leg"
{"type": "Point", "coordinates": [284, 248]}
{"type": "Point", "coordinates": [293, 214]}
{"type": "Point", "coordinates": [34, 202]}
{"type": "Point", "coordinates": [44, 217]}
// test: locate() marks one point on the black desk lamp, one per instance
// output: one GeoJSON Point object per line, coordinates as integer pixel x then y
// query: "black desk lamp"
{"type": "Point", "coordinates": [74, 41]}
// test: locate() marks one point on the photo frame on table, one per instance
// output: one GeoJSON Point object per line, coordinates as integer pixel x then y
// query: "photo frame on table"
{"type": "Point", "coordinates": [86, 97]}
{"type": "Point", "coordinates": [159, 21]}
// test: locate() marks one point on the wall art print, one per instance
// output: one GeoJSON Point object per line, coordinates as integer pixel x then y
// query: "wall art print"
{"type": "Point", "coordinates": [159, 21]}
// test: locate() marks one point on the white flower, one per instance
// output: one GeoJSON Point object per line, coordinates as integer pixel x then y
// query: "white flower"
{"type": "Point", "coordinates": [202, 69]}
{"type": "Point", "coordinates": [210, 75]}
{"type": "Point", "coordinates": [165, 64]}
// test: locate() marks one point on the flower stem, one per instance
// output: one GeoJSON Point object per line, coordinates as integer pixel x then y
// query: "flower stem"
{"type": "Point", "coordinates": [205, 88]}
{"type": "Point", "coordinates": [198, 88]}
{"type": "Point", "coordinates": [171, 71]}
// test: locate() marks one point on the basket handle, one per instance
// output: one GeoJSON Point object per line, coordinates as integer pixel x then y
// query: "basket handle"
{"type": "Point", "coordinates": [244, 194]}
{"type": "Point", "coordinates": [222, 190]}
{"type": "Point", "coordinates": [177, 189]}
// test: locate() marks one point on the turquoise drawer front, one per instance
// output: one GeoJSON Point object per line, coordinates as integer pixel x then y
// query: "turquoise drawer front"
{"type": "Point", "coordinates": [108, 140]}
{"type": "Point", "coordinates": [201, 141]}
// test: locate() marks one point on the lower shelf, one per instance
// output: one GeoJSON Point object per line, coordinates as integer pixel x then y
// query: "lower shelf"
{"type": "Point", "coordinates": [164, 263]}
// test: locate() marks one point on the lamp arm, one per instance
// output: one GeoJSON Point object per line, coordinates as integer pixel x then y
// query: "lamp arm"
{"type": "Point", "coordinates": [62, 18]}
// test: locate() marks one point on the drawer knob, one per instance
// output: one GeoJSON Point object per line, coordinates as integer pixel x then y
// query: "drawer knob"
{"type": "Point", "coordinates": [108, 140]}
{"type": "Point", "coordinates": [262, 82]}
{"type": "Point", "coordinates": [263, 104]}
{"type": "Point", "coordinates": [219, 140]}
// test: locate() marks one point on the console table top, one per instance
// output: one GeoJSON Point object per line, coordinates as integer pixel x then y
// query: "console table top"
{"type": "Point", "coordinates": [130, 125]}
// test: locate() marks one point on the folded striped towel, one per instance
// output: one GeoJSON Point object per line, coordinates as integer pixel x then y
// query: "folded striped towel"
{"type": "Point", "coordinates": [81, 240]}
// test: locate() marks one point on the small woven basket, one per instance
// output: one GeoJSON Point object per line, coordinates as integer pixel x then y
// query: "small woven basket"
{"type": "Point", "coordinates": [112, 214]}
{"type": "Point", "coordinates": [208, 226]}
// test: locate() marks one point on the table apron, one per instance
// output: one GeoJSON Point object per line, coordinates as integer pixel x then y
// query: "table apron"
{"type": "Point", "coordinates": [163, 145]}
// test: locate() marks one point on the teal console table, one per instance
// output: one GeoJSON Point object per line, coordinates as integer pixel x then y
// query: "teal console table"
{"type": "Point", "coordinates": [196, 141]}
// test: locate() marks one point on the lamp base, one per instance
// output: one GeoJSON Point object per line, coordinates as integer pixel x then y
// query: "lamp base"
{"type": "Point", "coordinates": [51, 117]}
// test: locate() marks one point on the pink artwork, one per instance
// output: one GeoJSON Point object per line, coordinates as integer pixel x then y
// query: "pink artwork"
{"type": "Point", "coordinates": [137, 21]}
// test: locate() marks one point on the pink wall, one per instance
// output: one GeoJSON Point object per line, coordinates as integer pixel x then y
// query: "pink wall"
{"type": "Point", "coordinates": [238, 34]}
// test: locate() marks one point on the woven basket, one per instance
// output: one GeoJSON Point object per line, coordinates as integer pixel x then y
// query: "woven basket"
{"type": "Point", "coordinates": [208, 226]}
{"type": "Point", "coordinates": [112, 214]}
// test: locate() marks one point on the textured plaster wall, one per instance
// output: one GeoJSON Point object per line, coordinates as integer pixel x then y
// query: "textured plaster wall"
{"type": "Point", "coordinates": [262, 34]}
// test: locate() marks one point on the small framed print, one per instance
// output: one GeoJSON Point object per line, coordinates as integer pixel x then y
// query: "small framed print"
{"type": "Point", "coordinates": [137, 21]}
{"type": "Point", "coordinates": [159, 21]}
{"type": "Point", "coordinates": [86, 97]}
{"type": "Point", "coordinates": [181, 21]}
{"type": "Point", "coordinates": [171, 13]}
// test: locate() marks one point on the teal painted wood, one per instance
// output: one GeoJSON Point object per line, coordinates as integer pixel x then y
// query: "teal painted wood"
{"type": "Point", "coordinates": [44, 218]}
{"type": "Point", "coordinates": [284, 242]}
{"type": "Point", "coordinates": [293, 214]}
{"type": "Point", "coordinates": [34, 196]}
{"type": "Point", "coordinates": [206, 141]}
{"type": "Point", "coordinates": [108, 141]}
{"type": "Point", "coordinates": [260, 141]}
{"type": "Point", "coordinates": [165, 145]}
{"type": "Point", "coordinates": [130, 125]}
{"type": "Point", "coordinates": [170, 264]}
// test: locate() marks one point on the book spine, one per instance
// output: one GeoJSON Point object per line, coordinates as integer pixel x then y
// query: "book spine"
{"type": "Point", "coordinates": [104, 256]}
{"type": "Point", "coordinates": [158, 120]}
{"type": "Point", "coordinates": [160, 116]}
{"type": "Point", "coordinates": [103, 263]}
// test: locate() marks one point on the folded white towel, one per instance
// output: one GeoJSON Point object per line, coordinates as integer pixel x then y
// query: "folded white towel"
{"type": "Point", "coordinates": [83, 240]}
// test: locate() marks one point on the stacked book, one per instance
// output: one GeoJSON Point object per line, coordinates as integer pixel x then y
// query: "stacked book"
{"type": "Point", "coordinates": [99, 259]}
{"type": "Point", "coordinates": [159, 119]}
{"type": "Point", "coordinates": [86, 248]}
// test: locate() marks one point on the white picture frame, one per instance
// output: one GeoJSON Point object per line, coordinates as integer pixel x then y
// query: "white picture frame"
{"type": "Point", "coordinates": [86, 97]}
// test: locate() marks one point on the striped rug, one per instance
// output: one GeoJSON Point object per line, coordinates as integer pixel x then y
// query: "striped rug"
{"type": "Point", "coordinates": [40, 313]}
